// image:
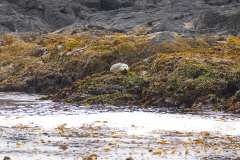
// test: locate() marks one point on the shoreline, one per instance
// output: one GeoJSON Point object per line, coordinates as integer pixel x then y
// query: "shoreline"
{"type": "Point", "coordinates": [167, 70]}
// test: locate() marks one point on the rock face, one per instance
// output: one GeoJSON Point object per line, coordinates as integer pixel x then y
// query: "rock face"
{"type": "Point", "coordinates": [163, 37]}
{"type": "Point", "coordinates": [184, 16]}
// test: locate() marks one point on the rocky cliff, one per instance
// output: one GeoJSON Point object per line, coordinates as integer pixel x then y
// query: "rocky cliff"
{"type": "Point", "coordinates": [184, 16]}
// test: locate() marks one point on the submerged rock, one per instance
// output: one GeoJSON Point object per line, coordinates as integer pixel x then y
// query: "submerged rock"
{"type": "Point", "coordinates": [91, 157]}
{"type": "Point", "coordinates": [6, 158]}
{"type": "Point", "coordinates": [119, 67]}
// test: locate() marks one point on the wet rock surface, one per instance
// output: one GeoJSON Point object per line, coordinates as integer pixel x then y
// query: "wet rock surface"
{"type": "Point", "coordinates": [185, 16]}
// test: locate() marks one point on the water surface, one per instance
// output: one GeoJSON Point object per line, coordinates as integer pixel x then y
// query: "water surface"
{"type": "Point", "coordinates": [37, 129]}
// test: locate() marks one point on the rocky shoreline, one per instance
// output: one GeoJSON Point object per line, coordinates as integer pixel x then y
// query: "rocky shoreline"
{"type": "Point", "coordinates": [165, 69]}
{"type": "Point", "coordinates": [182, 16]}
{"type": "Point", "coordinates": [178, 54]}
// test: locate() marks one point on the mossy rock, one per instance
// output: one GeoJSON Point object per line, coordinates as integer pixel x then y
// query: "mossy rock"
{"type": "Point", "coordinates": [182, 73]}
{"type": "Point", "coordinates": [107, 88]}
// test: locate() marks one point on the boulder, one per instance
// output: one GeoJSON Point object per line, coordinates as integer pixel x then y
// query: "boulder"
{"type": "Point", "coordinates": [119, 68]}
{"type": "Point", "coordinates": [209, 21]}
{"type": "Point", "coordinates": [6, 158]}
{"type": "Point", "coordinates": [91, 157]}
{"type": "Point", "coordinates": [217, 22]}
{"type": "Point", "coordinates": [163, 37]}
{"type": "Point", "coordinates": [40, 51]}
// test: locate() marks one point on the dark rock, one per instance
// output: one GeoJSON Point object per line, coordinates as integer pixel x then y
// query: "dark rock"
{"type": "Point", "coordinates": [219, 158]}
{"type": "Point", "coordinates": [45, 83]}
{"type": "Point", "coordinates": [214, 22]}
{"type": "Point", "coordinates": [40, 51]}
{"type": "Point", "coordinates": [218, 2]}
{"type": "Point", "coordinates": [6, 158]}
{"type": "Point", "coordinates": [209, 21]}
{"type": "Point", "coordinates": [121, 15]}
{"type": "Point", "coordinates": [110, 4]}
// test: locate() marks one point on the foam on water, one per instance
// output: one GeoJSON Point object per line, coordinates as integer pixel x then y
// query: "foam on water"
{"type": "Point", "coordinates": [131, 122]}
{"type": "Point", "coordinates": [41, 118]}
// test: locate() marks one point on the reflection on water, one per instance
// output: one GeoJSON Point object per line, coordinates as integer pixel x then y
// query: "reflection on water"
{"type": "Point", "coordinates": [38, 129]}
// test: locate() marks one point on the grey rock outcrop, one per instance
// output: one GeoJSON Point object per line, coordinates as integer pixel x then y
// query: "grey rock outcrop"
{"type": "Point", "coordinates": [182, 16]}
{"type": "Point", "coordinates": [163, 37]}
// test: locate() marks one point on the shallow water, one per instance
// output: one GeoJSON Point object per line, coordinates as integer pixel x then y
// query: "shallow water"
{"type": "Point", "coordinates": [36, 129]}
